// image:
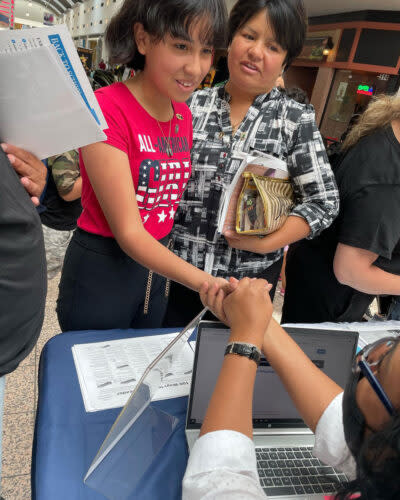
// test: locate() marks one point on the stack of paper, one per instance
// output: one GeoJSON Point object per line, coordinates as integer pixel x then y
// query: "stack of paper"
{"type": "Point", "coordinates": [47, 105]}
{"type": "Point", "coordinates": [108, 372]}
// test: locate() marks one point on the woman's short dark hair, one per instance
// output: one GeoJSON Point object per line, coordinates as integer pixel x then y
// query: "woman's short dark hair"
{"type": "Point", "coordinates": [159, 18]}
{"type": "Point", "coordinates": [287, 17]}
{"type": "Point", "coordinates": [378, 465]}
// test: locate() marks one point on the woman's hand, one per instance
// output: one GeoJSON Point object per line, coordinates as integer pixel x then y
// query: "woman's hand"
{"type": "Point", "coordinates": [248, 310]}
{"type": "Point", "coordinates": [32, 171]}
{"type": "Point", "coordinates": [212, 296]}
{"type": "Point", "coordinates": [244, 242]}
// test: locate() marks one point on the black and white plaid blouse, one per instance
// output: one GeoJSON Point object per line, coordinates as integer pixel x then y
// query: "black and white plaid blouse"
{"type": "Point", "coordinates": [274, 124]}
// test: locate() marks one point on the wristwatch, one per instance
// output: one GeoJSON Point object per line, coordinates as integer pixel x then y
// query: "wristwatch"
{"type": "Point", "coordinates": [244, 349]}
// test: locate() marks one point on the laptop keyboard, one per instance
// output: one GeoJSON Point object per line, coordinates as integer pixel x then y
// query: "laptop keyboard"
{"type": "Point", "coordinates": [295, 471]}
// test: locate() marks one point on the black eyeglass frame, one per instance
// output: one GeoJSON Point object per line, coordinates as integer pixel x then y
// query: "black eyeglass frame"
{"type": "Point", "coordinates": [362, 365]}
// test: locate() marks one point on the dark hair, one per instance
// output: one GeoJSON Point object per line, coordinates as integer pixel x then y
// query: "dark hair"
{"type": "Point", "coordinates": [287, 17]}
{"type": "Point", "coordinates": [159, 18]}
{"type": "Point", "coordinates": [378, 465]}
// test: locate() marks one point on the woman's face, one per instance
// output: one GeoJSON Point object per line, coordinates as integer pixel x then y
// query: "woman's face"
{"type": "Point", "coordinates": [255, 59]}
{"type": "Point", "coordinates": [388, 375]}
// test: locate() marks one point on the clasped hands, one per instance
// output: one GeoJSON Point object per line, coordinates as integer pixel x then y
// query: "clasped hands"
{"type": "Point", "coordinates": [243, 305]}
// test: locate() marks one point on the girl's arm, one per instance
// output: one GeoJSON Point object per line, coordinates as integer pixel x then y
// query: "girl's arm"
{"type": "Point", "coordinates": [110, 176]}
{"type": "Point", "coordinates": [355, 267]}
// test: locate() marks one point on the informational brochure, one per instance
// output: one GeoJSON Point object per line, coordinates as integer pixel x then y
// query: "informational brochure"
{"type": "Point", "coordinates": [108, 372]}
{"type": "Point", "coordinates": [48, 106]}
{"type": "Point", "coordinates": [265, 165]}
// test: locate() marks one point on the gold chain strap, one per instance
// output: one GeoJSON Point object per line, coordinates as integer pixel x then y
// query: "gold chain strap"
{"type": "Point", "coordinates": [147, 296]}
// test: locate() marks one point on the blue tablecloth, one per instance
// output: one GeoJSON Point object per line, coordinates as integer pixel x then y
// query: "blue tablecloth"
{"type": "Point", "coordinates": [67, 438]}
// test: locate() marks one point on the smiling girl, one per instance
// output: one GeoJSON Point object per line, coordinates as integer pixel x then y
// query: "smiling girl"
{"type": "Point", "coordinates": [133, 181]}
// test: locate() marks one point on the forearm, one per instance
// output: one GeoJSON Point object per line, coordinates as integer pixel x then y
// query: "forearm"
{"type": "Point", "coordinates": [148, 252]}
{"type": "Point", "coordinates": [309, 388]}
{"type": "Point", "coordinates": [294, 229]}
{"type": "Point", "coordinates": [372, 280]}
{"type": "Point", "coordinates": [230, 406]}
{"type": "Point", "coordinates": [76, 191]}
{"type": "Point", "coordinates": [355, 267]}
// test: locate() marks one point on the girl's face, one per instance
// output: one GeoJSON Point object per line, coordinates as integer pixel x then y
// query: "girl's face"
{"type": "Point", "coordinates": [255, 59]}
{"type": "Point", "coordinates": [174, 66]}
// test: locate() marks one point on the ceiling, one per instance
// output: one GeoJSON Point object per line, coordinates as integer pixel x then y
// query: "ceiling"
{"type": "Point", "coordinates": [314, 7]}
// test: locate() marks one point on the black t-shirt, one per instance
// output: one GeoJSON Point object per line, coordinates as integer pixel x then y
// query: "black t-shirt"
{"type": "Point", "coordinates": [23, 278]}
{"type": "Point", "coordinates": [59, 214]}
{"type": "Point", "coordinates": [368, 179]}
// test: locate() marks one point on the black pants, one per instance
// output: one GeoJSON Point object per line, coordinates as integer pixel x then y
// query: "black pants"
{"type": "Point", "coordinates": [313, 294]}
{"type": "Point", "coordinates": [185, 304]}
{"type": "Point", "coordinates": [102, 288]}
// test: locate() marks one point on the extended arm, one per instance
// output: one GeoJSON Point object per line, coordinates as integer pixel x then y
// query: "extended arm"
{"type": "Point", "coordinates": [248, 310]}
{"type": "Point", "coordinates": [110, 176]}
{"type": "Point", "coordinates": [309, 388]}
{"type": "Point", "coordinates": [355, 267]}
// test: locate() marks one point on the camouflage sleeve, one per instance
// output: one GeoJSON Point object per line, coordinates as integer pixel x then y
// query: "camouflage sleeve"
{"type": "Point", "coordinates": [65, 170]}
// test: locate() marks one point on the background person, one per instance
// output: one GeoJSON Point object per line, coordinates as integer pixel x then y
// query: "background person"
{"type": "Point", "coordinates": [358, 257]}
{"type": "Point", "coordinates": [354, 431]}
{"type": "Point", "coordinates": [62, 207]}
{"type": "Point", "coordinates": [250, 115]}
{"type": "Point", "coordinates": [22, 265]}
{"type": "Point", "coordinates": [132, 182]}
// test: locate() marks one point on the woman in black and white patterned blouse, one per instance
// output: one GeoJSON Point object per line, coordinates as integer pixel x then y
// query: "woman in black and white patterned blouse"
{"type": "Point", "coordinates": [250, 115]}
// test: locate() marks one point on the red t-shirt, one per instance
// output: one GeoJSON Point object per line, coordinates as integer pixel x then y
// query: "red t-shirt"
{"type": "Point", "coordinates": [159, 180]}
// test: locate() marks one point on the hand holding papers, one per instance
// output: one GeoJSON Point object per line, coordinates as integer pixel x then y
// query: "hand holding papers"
{"type": "Point", "coordinates": [47, 105]}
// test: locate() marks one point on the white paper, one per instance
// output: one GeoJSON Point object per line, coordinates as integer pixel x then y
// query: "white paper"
{"type": "Point", "coordinates": [40, 110]}
{"type": "Point", "coordinates": [58, 37]}
{"type": "Point", "coordinates": [108, 372]}
{"type": "Point", "coordinates": [368, 331]}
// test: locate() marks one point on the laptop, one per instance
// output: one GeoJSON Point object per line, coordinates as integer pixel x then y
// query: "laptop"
{"type": "Point", "coordinates": [286, 466]}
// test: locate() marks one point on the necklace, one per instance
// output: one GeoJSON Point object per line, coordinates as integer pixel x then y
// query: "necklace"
{"type": "Point", "coordinates": [168, 148]}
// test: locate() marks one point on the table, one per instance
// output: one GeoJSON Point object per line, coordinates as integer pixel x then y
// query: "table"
{"type": "Point", "coordinates": [67, 438]}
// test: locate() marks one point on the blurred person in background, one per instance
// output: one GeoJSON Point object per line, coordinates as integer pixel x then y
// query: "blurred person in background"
{"type": "Point", "coordinates": [358, 257]}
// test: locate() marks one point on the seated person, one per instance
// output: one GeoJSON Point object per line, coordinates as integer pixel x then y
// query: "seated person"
{"type": "Point", "coordinates": [354, 431]}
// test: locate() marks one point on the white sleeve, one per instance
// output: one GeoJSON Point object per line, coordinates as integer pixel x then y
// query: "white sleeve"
{"type": "Point", "coordinates": [330, 443]}
{"type": "Point", "coordinates": [222, 465]}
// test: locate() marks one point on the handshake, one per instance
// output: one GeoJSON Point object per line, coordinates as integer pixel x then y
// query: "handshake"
{"type": "Point", "coordinates": [243, 305]}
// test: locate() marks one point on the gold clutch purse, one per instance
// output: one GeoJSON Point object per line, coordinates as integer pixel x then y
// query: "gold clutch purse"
{"type": "Point", "coordinates": [264, 204]}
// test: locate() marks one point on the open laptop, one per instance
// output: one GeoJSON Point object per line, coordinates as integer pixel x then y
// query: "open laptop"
{"type": "Point", "coordinates": [283, 442]}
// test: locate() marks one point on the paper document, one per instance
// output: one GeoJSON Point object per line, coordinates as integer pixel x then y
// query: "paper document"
{"type": "Point", "coordinates": [265, 165]}
{"type": "Point", "coordinates": [108, 372]}
{"type": "Point", "coordinates": [368, 331]}
{"type": "Point", "coordinates": [47, 105]}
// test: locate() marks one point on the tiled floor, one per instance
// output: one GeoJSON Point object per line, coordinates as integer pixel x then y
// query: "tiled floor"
{"type": "Point", "coordinates": [20, 407]}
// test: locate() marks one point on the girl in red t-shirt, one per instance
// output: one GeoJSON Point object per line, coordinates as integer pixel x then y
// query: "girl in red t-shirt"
{"type": "Point", "coordinates": [133, 181]}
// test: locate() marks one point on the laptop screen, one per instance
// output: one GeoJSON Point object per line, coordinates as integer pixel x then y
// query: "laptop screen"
{"type": "Point", "coordinates": [331, 350]}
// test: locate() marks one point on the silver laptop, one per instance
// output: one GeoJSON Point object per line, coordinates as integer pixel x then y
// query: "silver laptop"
{"type": "Point", "coordinates": [286, 466]}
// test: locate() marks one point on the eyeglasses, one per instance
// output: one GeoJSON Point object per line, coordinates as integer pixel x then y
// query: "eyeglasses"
{"type": "Point", "coordinates": [370, 357]}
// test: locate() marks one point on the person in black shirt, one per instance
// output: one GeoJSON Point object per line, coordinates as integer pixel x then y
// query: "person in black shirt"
{"type": "Point", "coordinates": [22, 263]}
{"type": "Point", "coordinates": [336, 276]}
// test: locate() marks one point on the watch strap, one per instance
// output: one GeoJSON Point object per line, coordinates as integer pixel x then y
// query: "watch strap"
{"type": "Point", "coordinates": [244, 349]}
